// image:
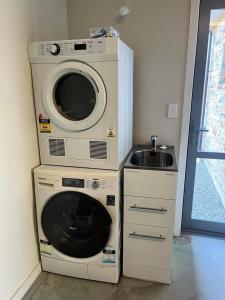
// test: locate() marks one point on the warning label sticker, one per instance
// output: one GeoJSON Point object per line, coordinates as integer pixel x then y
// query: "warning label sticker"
{"type": "Point", "coordinates": [111, 132]}
{"type": "Point", "coordinates": [45, 127]}
{"type": "Point", "coordinates": [44, 124]}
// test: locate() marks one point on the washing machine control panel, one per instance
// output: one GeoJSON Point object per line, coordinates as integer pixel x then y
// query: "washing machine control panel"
{"type": "Point", "coordinates": [88, 183]}
{"type": "Point", "coordinates": [96, 183]}
{"type": "Point", "coordinates": [77, 47]}
{"type": "Point", "coordinates": [73, 182]}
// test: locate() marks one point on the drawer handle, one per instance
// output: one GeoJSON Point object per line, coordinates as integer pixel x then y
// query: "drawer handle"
{"type": "Point", "coordinates": [143, 236]}
{"type": "Point", "coordinates": [162, 209]}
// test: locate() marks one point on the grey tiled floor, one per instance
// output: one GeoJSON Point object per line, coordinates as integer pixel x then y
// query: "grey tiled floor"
{"type": "Point", "coordinates": [198, 274]}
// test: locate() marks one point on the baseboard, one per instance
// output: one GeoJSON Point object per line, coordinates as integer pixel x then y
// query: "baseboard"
{"type": "Point", "coordinates": [26, 284]}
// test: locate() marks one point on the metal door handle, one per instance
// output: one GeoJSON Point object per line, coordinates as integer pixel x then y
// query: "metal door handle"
{"type": "Point", "coordinates": [143, 236]}
{"type": "Point", "coordinates": [162, 209]}
{"type": "Point", "coordinates": [203, 129]}
{"type": "Point", "coordinates": [194, 132]}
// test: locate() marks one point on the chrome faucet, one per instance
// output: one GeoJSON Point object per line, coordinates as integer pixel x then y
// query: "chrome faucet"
{"type": "Point", "coordinates": [154, 141]}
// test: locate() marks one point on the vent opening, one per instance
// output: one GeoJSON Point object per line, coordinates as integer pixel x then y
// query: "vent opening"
{"type": "Point", "coordinates": [56, 147]}
{"type": "Point", "coordinates": [98, 149]}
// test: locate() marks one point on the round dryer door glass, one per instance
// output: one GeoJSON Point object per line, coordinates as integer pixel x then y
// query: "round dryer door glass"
{"type": "Point", "coordinates": [75, 96]}
{"type": "Point", "coordinates": [76, 224]}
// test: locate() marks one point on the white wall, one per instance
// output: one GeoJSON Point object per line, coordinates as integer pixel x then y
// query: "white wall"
{"type": "Point", "coordinates": [158, 33]}
{"type": "Point", "coordinates": [49, 20]}
{"type": "Point", "coordinates": [18, 140]}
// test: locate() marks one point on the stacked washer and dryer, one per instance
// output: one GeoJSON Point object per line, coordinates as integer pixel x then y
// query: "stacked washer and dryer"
{"type": "Point", "coordinates": [83, 92]}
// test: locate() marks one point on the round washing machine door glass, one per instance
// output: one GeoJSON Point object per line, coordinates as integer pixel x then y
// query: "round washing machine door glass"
{"type": "Point", "coordinates": [76, 224]}
{"type": "Point", "coordinates": [74, 96]}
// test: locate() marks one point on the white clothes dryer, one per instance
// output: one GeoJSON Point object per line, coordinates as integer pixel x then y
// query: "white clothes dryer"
{"type": "Point", "coordinates": [78, 216]}
{"type": "Point", "coordinates": [83, 93]}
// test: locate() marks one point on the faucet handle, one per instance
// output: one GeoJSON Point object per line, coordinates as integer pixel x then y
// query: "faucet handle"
{"type": "Point", "coordinates": [154, 137]}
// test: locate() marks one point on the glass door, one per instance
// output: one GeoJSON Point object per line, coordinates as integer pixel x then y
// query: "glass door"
{"type": "Point", "coordinates": [204, 197]}
{"type": "Point", "coordinates": [76, 224]}
{"type": "Point", "coordinates": [74, 96]}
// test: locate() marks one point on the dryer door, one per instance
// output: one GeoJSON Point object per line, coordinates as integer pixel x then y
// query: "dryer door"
{"type": "Point", "coordinates": [74, 96]}
{"type": "Point", "coordinates": [76, 224]}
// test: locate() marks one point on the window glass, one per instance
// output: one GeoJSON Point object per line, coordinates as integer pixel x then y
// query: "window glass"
{"type": "Point", "coordinates": [75, 96]}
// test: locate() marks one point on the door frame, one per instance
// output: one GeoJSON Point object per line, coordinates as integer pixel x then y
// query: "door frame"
{"type": "Point", "coordinates": [188, 88]}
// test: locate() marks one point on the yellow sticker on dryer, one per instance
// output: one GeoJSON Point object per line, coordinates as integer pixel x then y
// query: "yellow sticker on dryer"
{"type": "Point", "coordinates": [44, 124]}
{"type": "Point", "coordinates": [111, 132]}
{"type": "Point", "coordinates": [45, 127]}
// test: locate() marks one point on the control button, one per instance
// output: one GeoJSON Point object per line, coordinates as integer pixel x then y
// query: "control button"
{"type": "Point", "coordinates": [95, 184]}
{"type": "Point", "coordinates": [110, 200]}
{"type": "Point", "coordinates": [54, 49]}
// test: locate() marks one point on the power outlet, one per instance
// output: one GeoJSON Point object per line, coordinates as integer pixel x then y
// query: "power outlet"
{"type": "Point", "coordinates": [172, 111]}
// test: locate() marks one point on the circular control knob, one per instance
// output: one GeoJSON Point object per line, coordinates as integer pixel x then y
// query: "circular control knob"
{"type": "Point", "coordinates": [95, 184]}
{"type": "Point", "coordinates": [54, 49]}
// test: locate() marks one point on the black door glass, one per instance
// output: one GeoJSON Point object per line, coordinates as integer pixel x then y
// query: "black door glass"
{"type": "Point", "coordinates": [76, 224]}
{"type": "Point", "coordinates": [75, 96]}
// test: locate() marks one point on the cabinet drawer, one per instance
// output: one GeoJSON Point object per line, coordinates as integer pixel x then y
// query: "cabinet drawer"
{"type": "Point", "coordinates": [147, 245]}
{"type": "Point", "coordinates": [147, 273]}
{"type": "Point", "coordinates": [149, 211]}
{"type": "Point", "coordinates": [148, 183]}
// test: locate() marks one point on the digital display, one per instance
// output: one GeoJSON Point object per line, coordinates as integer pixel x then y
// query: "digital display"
{"type": "Point", "coordinates": [80, 46]}
{"type": "Point", "coordinates": [73, 182]}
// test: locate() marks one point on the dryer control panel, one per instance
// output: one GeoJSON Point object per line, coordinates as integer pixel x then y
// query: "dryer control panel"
{"type": "Point", "coordinates": [78, 47]}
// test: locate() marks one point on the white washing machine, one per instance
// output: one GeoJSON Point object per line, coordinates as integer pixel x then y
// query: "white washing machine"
{"type": "Point", "coordinates": [78, 215]}
{"type": "Point", "coordinates": [84, 101]}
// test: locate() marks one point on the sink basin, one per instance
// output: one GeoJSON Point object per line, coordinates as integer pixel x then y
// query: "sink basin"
{"type": "Point", "coordinates": [152, 159]}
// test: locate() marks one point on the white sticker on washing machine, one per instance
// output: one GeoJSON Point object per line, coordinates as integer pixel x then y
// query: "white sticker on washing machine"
{"type": "Point", "coordinates": [109, 255]}
{"type": "Point", "coordinates": [45, 248]}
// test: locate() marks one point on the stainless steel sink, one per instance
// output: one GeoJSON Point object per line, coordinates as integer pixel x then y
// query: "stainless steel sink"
{"type": "Point", "coordinates": [152, 159]}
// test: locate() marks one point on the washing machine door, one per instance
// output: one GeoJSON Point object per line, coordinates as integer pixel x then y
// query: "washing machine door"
{"type": "Point", "coordinates": [76, 224]}
{"type": "Point", "coordinates": [74, 96]}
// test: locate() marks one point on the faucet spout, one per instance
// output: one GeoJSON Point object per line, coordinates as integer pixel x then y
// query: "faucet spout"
{"type": "Point", "coordinates": [154, 141]}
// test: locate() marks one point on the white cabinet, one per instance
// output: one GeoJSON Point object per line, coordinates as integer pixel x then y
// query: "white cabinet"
{"type": "Point", "coordinates": [149, 204]}
{"type": "Point", "coordinates": [149, 211]}
{"type": "Point", "coordinates": [147, 242]}
{"type": "Point", "coordinates": [148, 183]}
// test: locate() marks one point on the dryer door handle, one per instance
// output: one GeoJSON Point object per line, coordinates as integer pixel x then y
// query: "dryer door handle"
{"type": "Point", "coordinates": [73, 228]}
